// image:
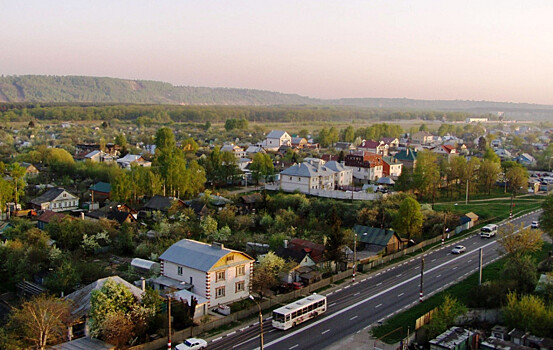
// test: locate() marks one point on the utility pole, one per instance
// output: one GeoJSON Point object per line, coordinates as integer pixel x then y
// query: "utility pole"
{"type": "Point", "coordinates": [443, 229]}
{"type": "Point", "coordinates": [169, 347]}
{"type": "Point", "coordinates": [422, 278]}
{"type": "Point", "coordinates": [480, 267]}
{"type": "Point", "coordinates": [511, 210]}
{"type": "Point", "coordinates": [467, 193]}
{"type": "Point", "coordinates": [354, 256]}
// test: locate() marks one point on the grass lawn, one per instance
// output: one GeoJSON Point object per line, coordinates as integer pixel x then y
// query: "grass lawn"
{"type": "Point", "coordinates": [460, 291]}
{"type": "Point", "coordinates": [494, 209]}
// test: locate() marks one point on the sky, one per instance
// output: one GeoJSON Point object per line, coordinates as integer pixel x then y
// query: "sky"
{"type": "Point", "coordinates": [423, 49]}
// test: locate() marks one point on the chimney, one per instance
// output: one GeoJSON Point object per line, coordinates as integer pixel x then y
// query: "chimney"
{"type": "Point", "coordinates": [143, 282]}
{"type": "Point", "coordinates": [285, 243]}
{"type": "Point", "coordinates": [217, 245]}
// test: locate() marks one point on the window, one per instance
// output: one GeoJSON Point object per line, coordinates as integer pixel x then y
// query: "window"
{"type": "Point", "coordinates": [219, 292]}
{"type": "Point", "coordinates": [230, 258]}
{"type": "Point", "coordinates": [240, 270]}
{"type": "Point", "coordinates": [179, 270]}
{"type": "Point", "coordinates": [290, 178]}
{"type": "Point", "coordinates": [240, 286]}
{"type": "Point", "coordinates": [220, 276]}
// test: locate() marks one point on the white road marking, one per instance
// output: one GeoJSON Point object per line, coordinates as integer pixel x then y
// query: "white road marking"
{"type": "Point", "coordinates": [363, 280]}
{"type": "Point", "coordinates": [243, 329]}
{"type": "Point", "coordinates": [353, 318]}
{"type": "Point", "coordinates": [332, 304]}
{"type": "Point", "coordinates": [328, 330]}
{"type": "Point", "coordinates": [377, 306]}
{"type": "Point", "coordinates": [293, 347]}
{"type": "Point", "coordinates": [339, 290]}
{"type": "Point", "coordinates": [356, 294]}
{"type": "Point", "coordinates": [376, 295]}
{"type": "Point", "coordinates": [433, 260]}
{"type": "Point", "coordinates": [454, 268]}
{"type": "Point", "coordinates": [400, 294]}
{"type": "Point", "coordinates": [231, 333]}
{"type": "Point", "coordinates": [399, 275]}
{"type": "Point", "coordinates": [346, 287]}
{"type": "Point", "coordinates": [438, 276]}
{"type": "Point", "coordinates": [214, 340]}
{"type": "Point", "coordinates": [378, 284]}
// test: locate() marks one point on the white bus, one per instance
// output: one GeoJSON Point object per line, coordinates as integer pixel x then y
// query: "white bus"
{"type": "Point", "coordinates": [488, 231]}
{"type": "Point", "coordinates": [299, 311]}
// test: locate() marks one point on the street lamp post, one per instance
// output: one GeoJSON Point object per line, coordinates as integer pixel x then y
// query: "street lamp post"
{"type": "Point", "coordinates": [354, 256]}
{"type": "Point", "coordinates": [422, 273]}
{"type": "Point", "coordinates": [511, 210]}
{"type": "Point", "coordinates": [260, 323]}
{"type": "Point", "coordinates": [169, 346]}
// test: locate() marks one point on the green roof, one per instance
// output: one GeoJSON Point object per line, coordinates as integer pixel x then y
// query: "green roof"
{"type": "Point", "coordinates": [101, 187]}
{"type": "Point", "coordinates": [406, 155]}
{"type": "Point", "coordinates": [373, 235]}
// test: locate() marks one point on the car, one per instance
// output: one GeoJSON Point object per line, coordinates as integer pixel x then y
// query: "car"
{"type": "Point", "coordinates": [192, 344]}
{"type": "Point", "coordinates": [458, 249]}
{"type": "Point", "coordinates": [535, 224]}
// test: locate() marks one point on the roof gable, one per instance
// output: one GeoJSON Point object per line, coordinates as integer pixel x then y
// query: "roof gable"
{"type": "Point", "coordinates": [53, 194]}
{"type": "Point", "coordinates": [373, 235]}
{"type": "Point", "coordinates": [277, 134]}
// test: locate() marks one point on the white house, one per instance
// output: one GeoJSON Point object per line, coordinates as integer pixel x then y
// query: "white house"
{"type": "Point", "coordinates": [234, 149]}
{"type": "Point", "coordinates": [210, 271]}
{"type": "Point", "coordinates": [305, 177]}
{"type": "Point", "coordinates": [342, 175]}
{"type": "Point", "coordinates": [56, 199]}
{"type": "Point", "coordinates": [126, 161]}
{"type": "Point", "coordinates": [277, 138]}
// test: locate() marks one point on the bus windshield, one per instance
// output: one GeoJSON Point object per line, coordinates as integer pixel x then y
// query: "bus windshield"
{"type": "Point", "coordinates": [278, 317]}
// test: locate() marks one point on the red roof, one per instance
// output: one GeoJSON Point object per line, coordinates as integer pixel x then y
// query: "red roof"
{"type": "Point", "coordinates": [49, 215]}
{"type": "Point", "coordinates": [315, 250]}
{"type": "Point", "coordinates": [369, 144]}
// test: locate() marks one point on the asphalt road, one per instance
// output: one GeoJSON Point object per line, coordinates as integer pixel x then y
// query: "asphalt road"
{"type": "Point", "coordinates": [357, 306]}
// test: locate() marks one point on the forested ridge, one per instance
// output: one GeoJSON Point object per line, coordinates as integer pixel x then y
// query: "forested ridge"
{"type": "Point", "coordinates": [94, 90]}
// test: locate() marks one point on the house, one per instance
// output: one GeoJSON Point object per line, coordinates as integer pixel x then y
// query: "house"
{"type": "Point", "coordinates": [162, 203]}
{"type": "Point", "coordinates": [305, 177]}
{"type": "Point", "coordinates": [30, 170]}
{"type": "Point", "coordinates": [392, 142]}
{"type": "Point", "coordinates": [342, 176]}
{"type": "Point", "coordinates": [80, 302]}
{"type": "Point", "coordinates": [251, 201]}
{"type": "Point", "coordinates": [243, 164]}
{"type": "Point", "coordinates": [366, 166]}
{"type": "Point", "coordinates": [378, 240]}
{"type": "Point", "coordinates": [298, 142]}
{"type": "Point", "coordinates": [422, 138]}
{"type": "Point", "coordinates": [391, 167]}
{"type": "Point", "coordinates": [503, 154]}
{"type": "Point", "coordinates": [198, 206]}
{"type": "Point", "coordinates": [276, 138]}
{"type": "Point", "coordinates": [446, 150]}
{"type": "Point", "coordinates": [455, 338]}
{"type": "Point", "coordinates": [254, 149]}
{"type": "Point", "coordinates": [120, 217]}
{"type": "Point", "coordinates": [210, 271]}
{"type": "Point", "coordinates": [100, 190]}
{"type": "Point", "coordinates": [132, 159]}
{"type": "Point", "coordinates": [55, 199]}
{"type": "Point", "coordinates": [344, 146]}
{"type": "Point", "coordinates": [408, 157]}
{"type": "Point", "coordinates": [49, 216]}
{"type": "Point", "coordinates": [377, 147]}
{"type": "Point", "coordinates": [308, 256]}
{"type": "Point", "coordinates": [234, 149]}
{"type": "Point", "coordinates": [98, 156]}
{"type": "Point", "coordinates": [526, 159]}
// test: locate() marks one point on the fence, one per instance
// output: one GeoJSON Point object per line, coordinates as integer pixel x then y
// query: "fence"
{"type": "Point", "coordinates": [181, 335]}
{"type": "Point", "coordinates": [359, 195]}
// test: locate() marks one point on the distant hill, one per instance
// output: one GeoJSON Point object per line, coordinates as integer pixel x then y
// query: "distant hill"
{"type": "Point", "coordinates": [71, 89]}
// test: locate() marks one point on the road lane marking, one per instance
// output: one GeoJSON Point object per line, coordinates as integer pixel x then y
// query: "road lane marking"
{"type": "Point", "coordinates": [376, 295]}
{"type": "Point", "coordinates": [400, 294]}
{"type": "Point", "coordinates": [243, 329]}
{"type": "Point", "coordinates": [378, 284]}
{"type": "Point", "coordinates": [293, 347]}
{"type": "Point", "coordinates": [356, 294]}
{"type": "Point", "coordinates": [399, 275]}
{"type": "Point", "coordinates": [328, 330]}
{"type": "Point", "coordinates": [332, 304]}
{"type": "Point", "coordinates": [214, 340]}
{"type": "Point", "coordinates": [433, 260]}
{"type": "Point", "coordinates": [346, 287]}
{"type": "Point", "coordinates": [339, 290]}
{"type": "Point", "coordinates": [377, 306]}
{"type": "Point", "coordinates": [438, 276]}
{"type": "Point", "coordinates": [363, 280]}
{"type": "Point", "coordinates": [353, 318]}
{"type": "Point", "coordinates": [231, 333]}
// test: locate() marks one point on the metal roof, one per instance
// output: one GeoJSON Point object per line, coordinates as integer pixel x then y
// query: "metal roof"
{"type": "Point", "coordinates": [373, 235]}
{"type": "Point", "coordinates": [276, 134]}
{"type": "Point", "coordinates": [50, 195]}
{"type": "Point", "coordinates": [307, 170]}
{"type": "Point", "coordinates": [196, 255]}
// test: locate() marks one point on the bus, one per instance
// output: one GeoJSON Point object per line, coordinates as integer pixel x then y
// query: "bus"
{"type": "Point", "coordinates": [488, 231]}
{"type": "Point", "coordinates": [299, 311]}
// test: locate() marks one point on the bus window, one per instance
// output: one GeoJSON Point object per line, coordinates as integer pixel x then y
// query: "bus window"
{"type": "Point", "coordinates": [288, 317]}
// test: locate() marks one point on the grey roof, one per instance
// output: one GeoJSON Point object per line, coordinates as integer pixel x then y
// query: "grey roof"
{"type": "Point", "coordinates": [85, 343]}
{"type": "Point", "coordinates": [276, 134]}
{"type": "Point", "coordinates": [195, 255]}
{"type": "Point", "coordinates": [373, 235]}
{"type": "Point", "coordinates": [385, 181]}
{"type": "Point", "coordinates": [334, 166]}
{"type": "Point", "coordinates": [307, 170]}
{"type": "Point", "coordinates": [81, 298]}
{"type": "Point", "coordinates": [159, 202]}
{"type": "Point", "coordinates": [49, 196]}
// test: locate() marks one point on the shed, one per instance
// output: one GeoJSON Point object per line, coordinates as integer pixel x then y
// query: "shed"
{"type": "Point", "coordinates": [143, 265]}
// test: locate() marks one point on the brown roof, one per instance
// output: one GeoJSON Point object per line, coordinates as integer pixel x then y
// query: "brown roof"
{"type": "Point", "coordinates": [315, 250]}
{"type": "Point", "coordinates": [49, 215]}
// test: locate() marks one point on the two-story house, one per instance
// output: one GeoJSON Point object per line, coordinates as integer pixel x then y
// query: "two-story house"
{"type": "Point", "coordinates": [277, 138]}
{"type": "Point", "coordinates": [306, 177]}
{"type": "Point", "coordinates": [422, 138]}
{"type": "Point", "coordinates": [211, 271]}
{"type": "Point", "coordinates": [342, 176]}
{"type": "Point", "coordinates": [366, 166]}
{"type": "Point", "coordinates": [234, 149]}
{"type": "Point", "coordinates": [55, 199]}
{"type": "Point", "coordinates": [391, 167]}
{"type": "Point", "coordinates": [377, 147]}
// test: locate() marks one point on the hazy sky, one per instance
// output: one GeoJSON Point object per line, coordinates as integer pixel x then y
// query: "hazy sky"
{"type": "Point", "coordinates": [478, 50]}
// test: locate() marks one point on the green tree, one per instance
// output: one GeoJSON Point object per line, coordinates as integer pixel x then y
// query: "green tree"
{"type": "Point", "coordinates": [267, 273]}
{"type": "Point", "coordinates": [111, 298]}
{"type": "Point", "coordinates": [261, 167]}
{"type": "Point", "coordinates": [546, 217]}
{"type": "Point", "coordinates": [190, 145]}
{"type": "Point", "coordinates": [348, 134]}
{"type": "Point", "coordinates": [445, 316]}
{"type": "Point", "coordinates": [491, 156]}
{"type": "Point", "coordinates": [409, 218]}
{"type": "Point", "coordinates": [40, 322]}
{"type": "Point", "coordinates": [426, 175]}
{"type": "Point", "coordinates": [121, 140]}
{"type": "Point", "coordinates": [528, 312]}
{"type": "Point", "coordinates": [336, 240]}
{"type": "Point", "coordinates": [488, 174]}
{"type": "Point", "coordinates": [17, 173]}
{"type": "Point", "coordinates": [517, 178]}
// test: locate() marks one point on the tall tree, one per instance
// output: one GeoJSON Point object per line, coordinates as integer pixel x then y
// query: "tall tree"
{"type": "Point", "coordinates": [488, 173]}
{"type": "Point", "coordinates": [261, 167]}
{"type": "Point", "coordinates": [41, 321]}
{"type": "Point", "coordinates": [408, 221]}
{"type": "Point", "coordinates": [336, 239]}
{"type": "Point", "coordinates": [426, 176]}
{"type": "Point", "coordinates": [546, 217]}
{"type": "Point", "coordinates": [517, 178]}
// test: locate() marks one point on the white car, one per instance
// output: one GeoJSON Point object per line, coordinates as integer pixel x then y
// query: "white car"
{"type": "Point", "coordinates": [458, 249]}
{"type": "Point", "coordinates": [192, 344]}
{"type": "Point", "coordinates": [535, 224]}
